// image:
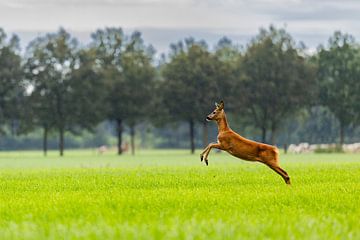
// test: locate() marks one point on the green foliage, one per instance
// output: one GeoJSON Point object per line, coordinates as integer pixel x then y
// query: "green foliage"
{"type": "Point", "coordinates": [189, 81]}
{"type": "Point", "coordinates": [126, 68]}
{"type": "Point", "coordinates": [138, 86]}
{"type": "Point", "coordinates": [126, 65]}
{"type": "Point", "coordinates": [339, 79]}
{"type": "Point", "coordinates": [318, 125]}
{"type": "Point", "coordinates": [88, 92]}
{"type": "Point", "coordinates": [168, 195]}
{"type": "Point", "coordinates": [67, 93]}
{"type": "Point", "coordinates": [33, 140]}
{"type": "Point", "coordinates": [229, 57]}
{"type": "Point", "coordinates": [268, 87]}
{"type": "Point", "coordinates": [194, 78]}
{"type": "Point", "coordinates": [277, 80]}
{"type": "Point", "coordinates": [50, 62]}
{"type": "Point", "coordinates": [11, 80]}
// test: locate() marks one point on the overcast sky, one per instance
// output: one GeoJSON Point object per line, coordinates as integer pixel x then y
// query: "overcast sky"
{"type": "Point", "coordinates": [166, 21]}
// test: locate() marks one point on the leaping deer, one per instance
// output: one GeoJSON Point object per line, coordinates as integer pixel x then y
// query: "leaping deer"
{"type": "Point", "coordinates": [240, 147]}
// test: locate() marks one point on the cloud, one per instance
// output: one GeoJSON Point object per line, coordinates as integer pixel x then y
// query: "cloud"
{"type": "Point", "coordinates": [316, 10]}
{"type": "Point", "coordinates": [166, 21]}
{"type": "Point", "coordinates": [89, 3]}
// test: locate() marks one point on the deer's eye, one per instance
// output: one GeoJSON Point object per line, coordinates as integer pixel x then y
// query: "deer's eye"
{"type": "Point", "coordinates": [214, 112]}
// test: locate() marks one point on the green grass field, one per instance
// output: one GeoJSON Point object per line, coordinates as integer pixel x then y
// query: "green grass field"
{"type": "Point", "coordinates": [171, 195]}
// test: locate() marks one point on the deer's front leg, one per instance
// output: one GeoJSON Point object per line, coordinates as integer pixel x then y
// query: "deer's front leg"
{"type": "Point", "coordinates": [203, 152]}
{"type": "Point", "coordinates": [208, 149]}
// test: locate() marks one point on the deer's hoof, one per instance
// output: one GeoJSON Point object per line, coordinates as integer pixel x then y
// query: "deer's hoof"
{"type": "Point", "coordinates": [287, 181]}
{"type": "Point", "coordinates": [207, 162]}
{"type": "Point", "coordinates": [201, 158]}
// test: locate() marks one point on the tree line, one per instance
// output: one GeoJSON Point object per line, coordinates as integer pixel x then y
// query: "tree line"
{"type": "Point", "coordinates": [60, 85]}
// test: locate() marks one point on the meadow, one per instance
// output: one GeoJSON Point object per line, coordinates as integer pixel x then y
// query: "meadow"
{"type": "Point", "coordinates": [169, 194]}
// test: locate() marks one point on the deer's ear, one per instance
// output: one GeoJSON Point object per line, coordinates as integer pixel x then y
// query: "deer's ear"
{"type": "Point", "coordinates": [221, 105]}
{"type": "Point", "coordinates": [216, 104]}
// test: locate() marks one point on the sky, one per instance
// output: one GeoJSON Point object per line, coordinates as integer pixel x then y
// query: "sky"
{"type": "Point", "coordinates": [166, 21]}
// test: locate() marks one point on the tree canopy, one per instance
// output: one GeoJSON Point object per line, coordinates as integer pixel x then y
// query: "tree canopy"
{"type": "Point", "coordinates": [12, 88]}
{"type": "Point", "coordinates": [277, 80]}
{"type": "Point", "coordinates": [128, 72]}
{"type": "Point", "coordinates": [339, 79]}
{"type": "Point", "coordinates": [66, 90]}
{"type": "Point", "coordinates": [274, 88]}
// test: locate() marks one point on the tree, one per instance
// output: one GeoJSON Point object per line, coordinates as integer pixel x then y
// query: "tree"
{"type": "Point", "coordinates": [128, 72]}
{"type": "Point", "coordinates": [87, 92]}
{"type": "Point", "coordinates": [339, 79]}
{"type": "Point", "coordinates": [190, 83]}
{"type": "Point", "coordinates": [276, 82]}
{"type": "Point", "coordinates": [66, 88]}
{"type": "Point", "coordinates": [11, 79]}
{"type": "Point", "coordinates": [108, 44]}
{"type": "Point", "coordinates": [229, 81]}
{"type": "Point", "coordinates": [40, 109]}
{"type": "Point", "coordinates": [139, 77]}
{"type": "Point", "coordinates": [319, 125]}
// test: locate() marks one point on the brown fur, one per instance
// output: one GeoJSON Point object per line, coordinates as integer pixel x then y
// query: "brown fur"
{"type": "Point", "coordinates": [240, 147]}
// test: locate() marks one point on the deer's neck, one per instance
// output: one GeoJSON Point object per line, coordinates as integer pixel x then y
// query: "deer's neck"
{"type": "Point", "coordinates": [223, 124]}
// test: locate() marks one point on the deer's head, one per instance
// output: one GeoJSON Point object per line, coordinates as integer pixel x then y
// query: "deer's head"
{"type": "Point", "coordinates": [218, 112]}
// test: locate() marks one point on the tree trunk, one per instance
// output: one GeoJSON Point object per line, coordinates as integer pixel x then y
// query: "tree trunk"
{"type": "Point", "coordinates": [273, 135]}
{"type": "Point", "coordinates": [119, 135]}
{"type": "Point", "coordinates": [342, 134]}
{"type": "Point", "coordinates": [132, 135]}
{"type": "Point", "coordinates": [45, 140]}
{"type": "Point", "coordinates": [192, 143]}
{"type": "Point", "coordinates": [205, 134]}
{"type": "Point", "coordinates": [263, 134]}
{"type": "Point", "coordinates": [61, 141]}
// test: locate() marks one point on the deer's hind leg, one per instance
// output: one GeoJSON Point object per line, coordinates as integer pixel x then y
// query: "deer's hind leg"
{"type": "Point", "coordinates": [271, 159]}
{"type": "Point", "coordinates": [281, 172]}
